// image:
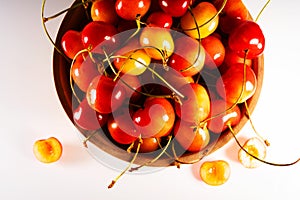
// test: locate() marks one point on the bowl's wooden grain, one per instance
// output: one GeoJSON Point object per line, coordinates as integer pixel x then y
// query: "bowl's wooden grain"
{"type": "Point", "coordinates": [61, 70]}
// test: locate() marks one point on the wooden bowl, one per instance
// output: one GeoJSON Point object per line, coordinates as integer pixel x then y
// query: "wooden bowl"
{"type": "Point", "coordinates": [75, 19]}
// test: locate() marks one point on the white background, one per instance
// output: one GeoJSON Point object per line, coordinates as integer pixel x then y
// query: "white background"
{"type": "Point", "coordinates": [30, 110]}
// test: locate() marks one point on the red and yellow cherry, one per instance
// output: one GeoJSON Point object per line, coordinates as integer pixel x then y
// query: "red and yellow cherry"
{"type": "Point", "coordinates": [132, 86]}
{"type": "Point", "coordinates": [158, 42]}
{"type": "Point", "coordinates": [87, 118]}
{"type": "Point", "coordinates": [134, 62]}
{"type": "Point", "coordinates": [47, 150]}
{"type": "Point", "coordinates": [104, 10]}
{"type": "Point", "coordinates": [215, 172]}
{"type": "Point", "coordinates": [232, 58]}
{"type": "Point", "coordinates": [215, 51]}
{"type": "Point", "coordinates": [190, 136]}
{"type": "Point", "coordinates": [175, 8]}
{"type": "Point", "coordinates": [122, 128]}
{"type": "Point", "coordinates": [249, 37]}
{"type": "Point", "coordinates": [83, 71]}
{"type": "Point", "coordinates": [202, 13]}
{"type": "Point", "coordinates": [160, 19]}
{"type": "Point", "coordinates": [233, 8]}
{"type": "Point", "coordinates": [104, 95]}
{"type": "Point", "coordinates": [148, 145]}
{"type": "Point", "coordinates": [176, 80]}
{"type": "Point", "coordinates": [98, 35]}
{"type": "Point", "coordinates": [130, 9]}
{"type": "Point", "coordinates": [234, 87]}
{"type": "Point", "coordinates": [188, 57]}
{"type": "Point", "coordinates": [155, 119]}
{"type": "Point", "coordinates": [195, 106]}
{"type": "Point", "coordinates": [222, 115]}
{"type": "Point", "coordinates": [256, 148]}
{"type": "Point", "coordinates": [71, 43]}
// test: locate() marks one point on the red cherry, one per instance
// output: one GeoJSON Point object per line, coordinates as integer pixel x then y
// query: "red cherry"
{"type": "Point", "coordinates": [130, 9]}
{"type": "Point", "coordinates": [104, 95]}
{"type": "Point", "coordinates": [195, 107]}
{"type": "Point", "coordinates": [122, 129]}
{"type": "Point", "coordinates": [83, 71]}
{"type": "Point", "coordinates": [230, 117]}
{"type": "Point", "coordinates": [191, 137]}
{"type": "Point", "coordinates": [232, 58]}
{"type": "Point", "coordinates": [215, 51]}
{"type": "Point", "coordinates": [98, 36]}
{"type": "Point", "coordinates": [175, 8]}
{"type": "Point", "coordinates": [132, 86]}
{"type": "Point", "coordinates": [104, 10]}
{"type": "Point", "coordinates": [160, 19]}
{"type": "Point", "coordinates": [230, 85]}
{"type": "Point", "coordinates": [247, 36]}
{"type": "Point", "coordinates": [71, 43]}
{"type": "Point", "coordinates": [188, 57]}
{"type": "Point", "coordinates": [233, 8]}
{"type": "Point", "coordinates": [87, 118]}
{"type": "Point", "coordinates": [156, 118]}
{"type": "Point", "coordinates": [148, 145]}
{"type": "Point", "coordinates": [228, 23]}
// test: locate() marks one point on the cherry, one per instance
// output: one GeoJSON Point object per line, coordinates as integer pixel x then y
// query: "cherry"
{"type": "Point", "coordinates": [225, 116]}
{"type": "Point", "coordinates": [175, 79]}
{"type": "Point", "coordinates": [98, 36]}
{"type": "Point", "coordinates": [104, 95]}
{"type": "Point", "coordinates": [160, 19]}
{"type": "Point", "coordinates": [71, 43]}
{"type": "Point", "coordinates": [104, 10]}
{"type": "Point", "coordinates": [247, 37]}
{"type": "Point", "coordinates": [87, 118]}
{"type": "Point", "coordinates": [148, 144]}
{"type": "Point", "coordinates": [228, 23]}
{"type": "Point", "coordinates": [233, 8]}
{"type": "Point", "coordinates": [135, 63]}
{"type": "Point", "coordinates": [215, 51]}
{"type": "Point", "coordinates": [231, 58]}
{"type": "Point", "coordinates": [132, 86]}
{"type": "Point", "coordinates": [215, 172]}
{"type": "Point", "coordinates": [83, 71]}
{"type": "Point", "coordinates": [202, 13]}
{"type": "Point", "coordinates": [158, 42]}
{"type": "Point", "coordinates": [255, 147]}
{"type": "Point", "coordinates": [175, 8]}
{"type": "Point", "coordinates": [234, 87]}
{"type": "Point", "coordinates": [191, 137]}
{"type": "Point", "coordinates": [195, 107]}
{"type": "Point", "coordinates": [122, 129]}
{"type": "Point", "coordinates": [188, 57]}
{"type": "Point", "coordinates": [155, 119]}
{"type": "Point", "coordinates": [130, 9]}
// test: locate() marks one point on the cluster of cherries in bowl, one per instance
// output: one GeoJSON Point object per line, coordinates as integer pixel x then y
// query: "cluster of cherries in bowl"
{"type": "Point", "coordinates": [150, 73]}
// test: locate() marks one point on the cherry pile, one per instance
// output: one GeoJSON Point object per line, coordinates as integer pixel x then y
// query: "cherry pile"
{"type": "Point", "coordinates": [151, 73]}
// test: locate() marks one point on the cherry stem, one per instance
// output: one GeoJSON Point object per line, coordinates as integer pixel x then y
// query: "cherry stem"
{"type": "Point", "coordinates": [129, 165]}
{"type": "Point", "coordinates": [84, 142]}
{"type": "Point", "coordinates": [262, 10]}
{"type": "Point", "coordinates": [156, 158]}
{"type": "Point", "coordinates": [199, 46]}
{"type": "Point", "coordinates": [255, 157]}
{"type": "Point", "coordinates": [267, 143]}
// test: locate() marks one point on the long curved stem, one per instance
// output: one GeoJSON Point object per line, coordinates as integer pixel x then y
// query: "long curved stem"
{"type": "Point", "coordinates": [255, 157]}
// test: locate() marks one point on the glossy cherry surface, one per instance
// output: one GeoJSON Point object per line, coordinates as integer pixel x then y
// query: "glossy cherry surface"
{"type": "Point", "coordinates": [249, 37]}
{"type": "Point", "coordinates": [175, 8]}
